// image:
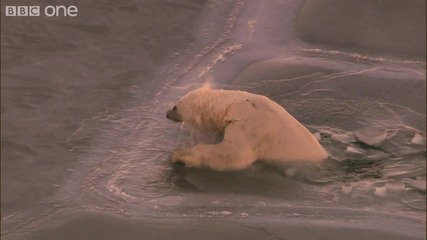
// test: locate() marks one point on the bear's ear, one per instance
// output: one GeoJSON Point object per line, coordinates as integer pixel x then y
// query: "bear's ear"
{"type": "Point", "coordinates": [208, 82]}
{"type": "Point", "coordinates": [206, 86]}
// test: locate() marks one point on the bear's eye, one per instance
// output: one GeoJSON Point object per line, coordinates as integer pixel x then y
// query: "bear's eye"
{"type": "Point", "coordinates": [174, 108]}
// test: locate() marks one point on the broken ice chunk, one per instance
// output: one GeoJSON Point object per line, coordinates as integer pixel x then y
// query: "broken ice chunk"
{"type": "Point", "coordinates": [290, 172]}
{"type": "Point", "coordinates": [417, 184]}
{"type": "Point", "coordinates": [418, 139]}
{"type": "Point", "coordinates": [395, 186]}
{"type": "Point", "coordinates": [405, 173]}
{"type": "Point", "coordinates": [375, 155]}
{"type": "Point", "coordinates": [219, 213]}
{"type": "Point", "coordinates": [371, 136]}
{"type": "Point", "coordinates": [353, 150]}
{"type": "Point", "coordinates": [380, 191]}
{"type": "Point", "coordinates": [317, 136]}
{"type": "Point", "coordinates": [342, 138]}
{"type": "Point", "coordinates": [346, 188]}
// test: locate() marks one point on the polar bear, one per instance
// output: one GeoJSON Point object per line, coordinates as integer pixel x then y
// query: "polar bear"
{"type": "Point", "coordinates": [253, 127]}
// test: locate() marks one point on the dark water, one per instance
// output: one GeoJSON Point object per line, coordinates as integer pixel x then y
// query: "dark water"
{"type": "Point", "coordinates": [86, 146]}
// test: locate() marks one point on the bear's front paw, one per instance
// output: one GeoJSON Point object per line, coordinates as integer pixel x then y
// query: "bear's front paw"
{"type": "Point", "coordinates": [185, 157]}
{"type": "Point", "coordinates": [176, 156]}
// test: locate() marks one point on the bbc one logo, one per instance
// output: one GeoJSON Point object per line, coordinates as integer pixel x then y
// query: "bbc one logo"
{"type": "Point", "coordinates": [48, 11]}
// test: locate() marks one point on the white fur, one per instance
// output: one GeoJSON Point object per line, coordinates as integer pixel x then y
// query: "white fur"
{"type": "Point", "coordinates": [254, 127]}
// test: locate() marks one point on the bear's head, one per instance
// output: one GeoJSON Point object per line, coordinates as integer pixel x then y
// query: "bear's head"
{"type": "Point", "coordinates": [198, 108]}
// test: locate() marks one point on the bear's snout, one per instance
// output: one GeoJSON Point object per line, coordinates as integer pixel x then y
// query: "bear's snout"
{"type": "Point", "coordinates": [173, 115]}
